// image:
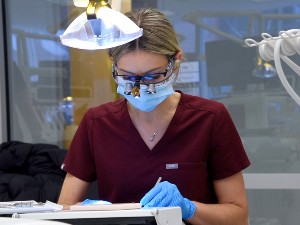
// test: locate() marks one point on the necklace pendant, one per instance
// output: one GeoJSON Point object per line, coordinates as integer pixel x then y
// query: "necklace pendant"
{"type": "Point", "coordinates": [153, 136]}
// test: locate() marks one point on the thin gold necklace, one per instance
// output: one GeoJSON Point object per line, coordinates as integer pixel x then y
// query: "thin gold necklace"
{"type": "Point", "coordinates": [151, 137]}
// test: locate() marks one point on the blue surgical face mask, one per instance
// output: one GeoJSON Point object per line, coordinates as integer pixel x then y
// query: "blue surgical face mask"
{"type": "Point", "coordinates": [148, 102]}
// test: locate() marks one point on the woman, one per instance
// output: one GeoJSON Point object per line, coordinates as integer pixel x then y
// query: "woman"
{"type": "Point", "coordinates": [154, 132]}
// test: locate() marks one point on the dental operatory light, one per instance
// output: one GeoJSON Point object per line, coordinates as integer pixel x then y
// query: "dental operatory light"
{"type": "Point", "coordinates": [277, 49]}
{"type": "Point", "coordinates": [100, 27]}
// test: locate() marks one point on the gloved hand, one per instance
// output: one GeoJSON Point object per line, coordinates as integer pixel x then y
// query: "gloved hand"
{"type": "Point", "coordinates": [167, 194]}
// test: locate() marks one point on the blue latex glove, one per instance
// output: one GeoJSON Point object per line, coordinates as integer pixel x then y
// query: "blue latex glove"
{"type": "Point", "coordinates": [166, 194]}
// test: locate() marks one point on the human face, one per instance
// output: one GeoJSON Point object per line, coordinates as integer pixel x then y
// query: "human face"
{"type": "Point", "coordinates": [141, 94]}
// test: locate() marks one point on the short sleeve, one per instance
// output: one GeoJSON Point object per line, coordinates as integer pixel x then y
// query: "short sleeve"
{"type": "Point", "coordinates": [228, 155]}
{"type": "Point", "coordinates": [79, 160]}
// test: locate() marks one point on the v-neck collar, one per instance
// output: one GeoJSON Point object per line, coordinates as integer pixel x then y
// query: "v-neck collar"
{"type": "Point", "coordinates": [164, 139]}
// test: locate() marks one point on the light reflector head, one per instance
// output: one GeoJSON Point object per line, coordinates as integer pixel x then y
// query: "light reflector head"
{"type": "Point", "coordinates": [110, 29]}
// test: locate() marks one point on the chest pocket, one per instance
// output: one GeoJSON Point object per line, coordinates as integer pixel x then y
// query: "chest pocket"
{"type": "Point", "coordinates": [191, 178]}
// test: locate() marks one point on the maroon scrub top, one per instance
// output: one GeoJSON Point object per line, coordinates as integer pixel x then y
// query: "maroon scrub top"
{"type": "Point", "coordinates": [200, 145]}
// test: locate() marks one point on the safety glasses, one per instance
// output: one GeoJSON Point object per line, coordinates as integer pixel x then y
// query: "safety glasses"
{"type": "Point", "coordinates": [146, 79]}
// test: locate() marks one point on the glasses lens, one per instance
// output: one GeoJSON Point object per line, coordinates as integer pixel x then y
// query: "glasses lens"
{"type": "Point", "coordinates": [152, 78]}
{"type": "Point", "coordinates": [145, 79]}
{"type": "Point", "coordinates": [129, 78]}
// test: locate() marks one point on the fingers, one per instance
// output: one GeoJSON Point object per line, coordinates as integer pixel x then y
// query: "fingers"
{"type": "Point", "coordinates": [159, 196]}
{"type": "Point", "coordinates": [151, 194]}
{"type": "Point", "coordinates": [158, 200]}
{"type": "Point", "coordinates": [166, 194]}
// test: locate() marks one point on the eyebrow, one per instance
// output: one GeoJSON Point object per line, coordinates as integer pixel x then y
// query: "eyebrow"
{"type": "Point", "coordinates": [125, 71]}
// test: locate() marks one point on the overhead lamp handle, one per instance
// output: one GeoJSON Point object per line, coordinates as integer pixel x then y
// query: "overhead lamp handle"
{"type": "Point", "coordinates": [81, 3]}
{"type": "Point", "coordinates": [94, 6]}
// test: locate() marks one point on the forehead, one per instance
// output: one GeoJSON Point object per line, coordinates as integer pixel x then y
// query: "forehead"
{"type": "Point", "coordinates": [140, 61]}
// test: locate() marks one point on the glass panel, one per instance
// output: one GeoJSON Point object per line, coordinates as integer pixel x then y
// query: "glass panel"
{"type": "Point", "coordinates": [274, 207]}
{"type": "Point", "coordinates": [212, 35]}
{"type": "Point", "coordinates": [51, 86]}
{"type": "Point", "coordinates": [39, 65]}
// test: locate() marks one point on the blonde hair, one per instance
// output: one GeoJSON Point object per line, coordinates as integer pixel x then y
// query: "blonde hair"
{"type": "Point", "coordinates": [158, 35]}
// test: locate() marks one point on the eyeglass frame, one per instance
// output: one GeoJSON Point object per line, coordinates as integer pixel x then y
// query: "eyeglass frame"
{"type": "Point", "coordinates": [139, 78]}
